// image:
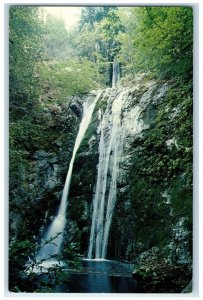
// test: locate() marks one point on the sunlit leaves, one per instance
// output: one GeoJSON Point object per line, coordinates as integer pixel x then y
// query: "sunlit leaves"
{"type": "Point", "coordinates": [25, 49]}
{"type": "Point", "coordinates": [56, 39]}
{"type": "Point", "coordinates": [96, 39]}
{"type": "Point", "coordinates": [161, 39]}
{"type": "Point", "coordinates": [60, 79]}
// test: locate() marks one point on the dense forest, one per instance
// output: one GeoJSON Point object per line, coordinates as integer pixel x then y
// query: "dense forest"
{"type": "Point", "coordinates": [53, 71]}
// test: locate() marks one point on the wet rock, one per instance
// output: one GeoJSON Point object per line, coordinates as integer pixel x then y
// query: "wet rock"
{"type": "Point", "coordinates": [76, 108]}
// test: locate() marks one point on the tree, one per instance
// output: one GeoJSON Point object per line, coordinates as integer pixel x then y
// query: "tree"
{"type": "Point", "coordinates": [57, 39]}
{"type": "Point", "coordinates": [25, 49]}
{"type": "Point", "coordinates": [91, 15]}
{"type": "Point", "coordinates": [127, 46]}
{"type": "Point", "coordinates": [58, 80]}
{"type": "Point", "coordinates": [96, 38]}
{"type": "Point", "coordinates": [163, 40]}
{"type": "Point", "coordinates": [157, 40]}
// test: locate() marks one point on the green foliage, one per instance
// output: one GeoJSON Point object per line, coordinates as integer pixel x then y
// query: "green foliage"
{"type": "Point", "coordinates": [27, 135]}
{"type": "Point", "coordinates": [91, 15]}
{"type": "Point", "coordinates": [25, 49]}
{"type": "Point", "coordinates": [159, 276]}
{"type": "Point", "coordinates": [96, 39]}
{"type": "Point", "coordinates": [72, 256]}
{"type": "Point", "coordinates": [59, 80]}
{"type": "Point", "coordinates": [22, 271]}
{"type": "Point", "coordinates": [56, 39]}
{"type": "Point", "coordinates": [18, 253]}
{"type": "Point", "coordinates": [145, 39]}
{"type": "Point", "coordinates": [161, 41]}
{"type": "Point", "coordinates": [18, 256]}
{"type": "Point", "coordinates": [127, 51]}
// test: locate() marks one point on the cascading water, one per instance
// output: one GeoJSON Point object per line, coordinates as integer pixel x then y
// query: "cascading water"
{"type": "Point", "coordinates": [116, 73]}
{"type": "Point", "coordinates": [117, 124]}
{"type": "Point", "coordinates": [110, 151]}
{"type": "Point", "coordinates": [54, 232]}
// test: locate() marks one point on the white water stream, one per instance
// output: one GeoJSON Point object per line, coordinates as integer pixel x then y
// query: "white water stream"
{"type": "Point", "coordinates": [116, 73]}
{"type": "Point", "coordinates": [54, 233]}
{"type": "Point", "coordinates": [110, 151]}
{"type": "Point", "coordinates": [116, 123]}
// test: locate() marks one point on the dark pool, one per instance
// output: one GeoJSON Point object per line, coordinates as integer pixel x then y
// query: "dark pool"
{"type": "Point", "coordinates": [103, 276]}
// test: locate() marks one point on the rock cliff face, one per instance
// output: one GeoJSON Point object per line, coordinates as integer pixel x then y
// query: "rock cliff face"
{"type": "Point", "coordinates": [154, 195]}
{"type": "Point", "coordinates": [38, 186]}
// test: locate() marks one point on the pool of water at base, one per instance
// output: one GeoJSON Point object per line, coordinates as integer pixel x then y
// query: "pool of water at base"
{"type": "Point", "coordinates": [101, 276]}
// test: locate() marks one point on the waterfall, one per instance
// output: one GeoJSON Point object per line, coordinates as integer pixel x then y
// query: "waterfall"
{"type": "Point", "coordinates": [56, 228]}
{"type": "Point", "coordinates": [116, 73]}
{"type": "Point", "coordinates": [110, 151]}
